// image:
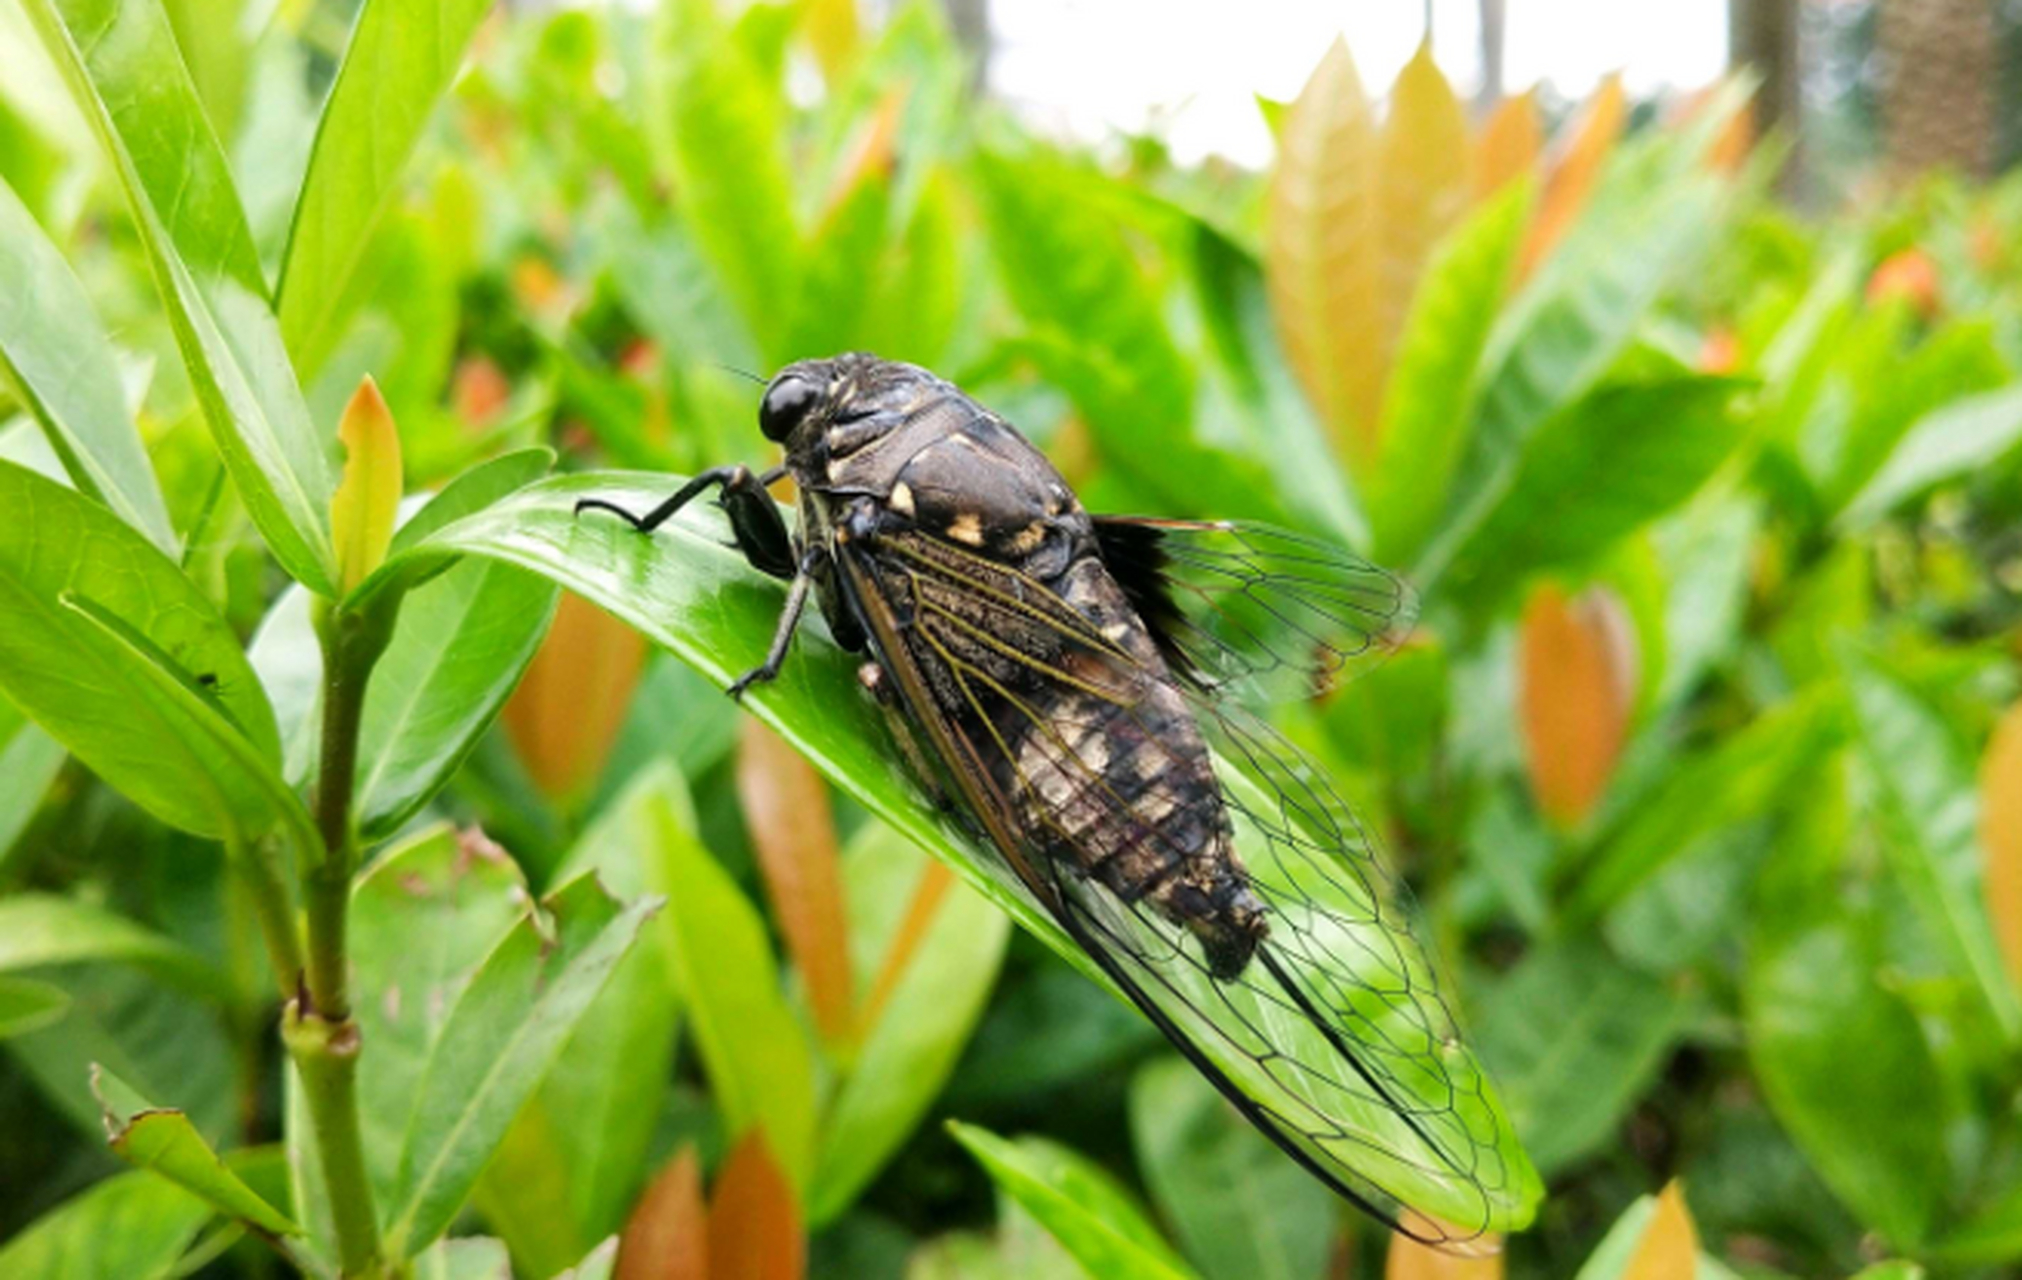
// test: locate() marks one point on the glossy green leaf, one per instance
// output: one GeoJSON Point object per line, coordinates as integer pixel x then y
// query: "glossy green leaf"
{"type": "Point", "coordinates": [38, 930]}
{"type": "Point", "coordinates": [130, 1227]}
{"type": "Point", "coordinates": [1240, 1209]}
{"type": "Point", "coordinates": [1575, 1037]}
{"type": "Point", "coordinates": [120, 61]}
{"type": "Point", "coordinates": [684, 589]}
{"type": "Point", "coordinates": [497, 1042]}
{"type": "Point", "coordinates": [473, 491]}
{"type": "Point", "coordinates": [922, 1025]}
{"type": "Point", "coordinates": [27, 1005]}
{"type": "Point", "coordinates": [1429, 404]}
{"type": "Point", "coordinates": [55, 359]}
{"type": "Point", "coordinates": [574, 1161]}
{"type": "Point", "coordinates": [1929, 797]}
{"type": "Point", "coordinates": [216, 40]}
{"type": "Point", "coordinates": [1949, 443]}
{"type": "Point", "coordinates": [1082, 1206]}
{"type": "Point", "coordinates": [94, 693]}
{"type": "Point", "coordinates": [164, 1142]}
{"type": "Point", "coordinates": [401, 57]}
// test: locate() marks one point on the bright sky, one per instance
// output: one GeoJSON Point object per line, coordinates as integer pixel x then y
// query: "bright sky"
{"type": "Point", "coordinates": [1093, 66]}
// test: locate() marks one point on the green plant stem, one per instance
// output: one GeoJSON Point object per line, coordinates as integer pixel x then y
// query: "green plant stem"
{"type": "Point", "coordinates": [326, 1059]}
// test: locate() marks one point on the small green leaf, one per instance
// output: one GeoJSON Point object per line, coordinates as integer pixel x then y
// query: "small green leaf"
{"type": "Point", "coordinates": [120, 61]}
{"type": "Point", "coordinates": [132, 1225]}
{"type": "Point", "coordinates": [401, 57]}
{"type": "Point", "coordinates": [165, 1142]}
{"type": "Point", "coordinates": [55, 359]}
{"type": "Point", "coordinates": [500, 1038]}
{"type": "Point", "coordinates": [38, 930]}
{"type": "Point", "coordinates": [1078, 1203]}
{"type": "Point", "coordinates": [921, 1027]}
{"type": "Point", "coordinates": [27, 1005]}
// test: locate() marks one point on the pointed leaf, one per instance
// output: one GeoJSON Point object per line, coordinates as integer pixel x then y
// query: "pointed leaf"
{"type": "Point", "coordinates": [1509, 146]}
{"type": "Point", "coordinates": [666, 1238]}
{"type": "Point", "coordinates": [1577, 170]}
{"type": "Point", "coordinates": [2001, 835]}
{"type": "Point", "coordinates": [755, 1231]}
{"type": "Point", "coordinates": [1669, 1249]}
{"type": "Point", "coordinates": [367, 500]}
{"type": "Point", "coordinates": [27, 1005]}
{"type": "Point", "coordinates": [131, 1225]}
{"type": "Point", "coordinates": [567, 709]}
{"type": "Point", "coordinates": [1576, 690]}
{"type": "Point", "coordinates": [165, 1142]}
{"type": "Point", "coordinates": [1421, 166]}
{"type": "Point", "coordinates": [1953, 441]}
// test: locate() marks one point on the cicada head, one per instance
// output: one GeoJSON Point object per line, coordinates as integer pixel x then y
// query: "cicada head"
{"type": "Point", "coordinates": [842, 402]}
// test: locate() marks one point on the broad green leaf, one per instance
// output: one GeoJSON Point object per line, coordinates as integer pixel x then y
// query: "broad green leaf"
{"type": "Point", "coordinates": [684, 589]}
{"type": "Point", "coordinates": [497, 1042]}
{"type": "Point", "coordinates": [38, 930]}
{"type": "Point", "coordinates": [367, 501]}
{"type": "Point", "coordinates": [1241, 1210]}
{"type": "Point", "coordinates": [56, 361]}
{"type": "Point", "coordinates": [1928, 795]}
{"type": "Point", "coordinates": [401, 57]}
{"type": "Point", "coordinates": [130, 1227]}
{"type": "Point", "coordinates": [217, 40]}
{"type": "Point", "coordinates": [29, 762]}
{"type": "Point", "coordinates": [1429, 401]}
{"type": "Point", "coordinates": [1078, 1203]}
{"type": "Point", "coordinates": [1957, 362]}
{"type": "Point", "coordinates": [164, 1142]}
{"type": "Point", "coordinates": [120, 61]}
{"type": "Point", "coordinates": [1951, 442]}
{"type": "Point", "coordinates": [576, 1158]}
{"type": "Point", "coordinates": [1575, 1037]}
{"type": "Point", "coordinates": [94, 695]}
{"type": "Point", "coordinates": [1847, 1070]}
{"type": "Point", "coordinates": [1705, 550]}
{"type": "Point", "coordinates": [1993, 1234]}
{"type": "Point", "coordinates": [27, 1005]}
{"type": "Point", "coordinates": [921, 1026]}
{"type": "Point", "coordinates": [1595, 471]}
{"type": "Point", "coordinates": [473, 491]}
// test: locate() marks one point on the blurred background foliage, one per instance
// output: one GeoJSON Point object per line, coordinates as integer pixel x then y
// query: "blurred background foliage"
{"type": "Point", "coordinates": [1705, 760]}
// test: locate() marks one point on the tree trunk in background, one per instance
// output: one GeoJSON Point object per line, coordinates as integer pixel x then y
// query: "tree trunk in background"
{"type": "Point", "coordinates": [1762, 38]}
{"type": "Point", "coordinates": [1938, 63]}
{"type": "Point", "coordinates": [1494, 16]}
{"type": "Point", "coordinates": [970, 21]}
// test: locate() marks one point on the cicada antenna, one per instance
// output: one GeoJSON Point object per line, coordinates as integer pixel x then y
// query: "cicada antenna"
{"type": "Point", "coordinates": [746, 374]}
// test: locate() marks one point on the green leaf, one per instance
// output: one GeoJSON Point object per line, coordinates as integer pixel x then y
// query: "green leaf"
{"type": "Point", "coordinates": [1929, 797]}
{"type": "Point", "coordinates": [1991, 1235]}
{"type": "Point", "coordinates": [1951, 442]}
{"type": "Point", "coordinates": [473, 491]}
{"type": "Point", "coordinates": [402, 56]}
{"type": "Point", "coordinates": [922, 1024]}
{"type": "Point", "coordinates": [39, 930]}
{"type": "Point", "coordinates": [166, 1143]}
{"type": "Point", "coordinates": [1429, 404]}
{"type": "Point", "coordinates": [120, 62]}
{"type": "Point", "coordinates": [599, 1263]}
{"type": "Point", "coordinates": [29, 761]}
{"type": "Point", "coordinates": [1078, 1203]}
{"type": "Point", "coordinates": [574, 1161]}
{"type": "Point", "coordinates": [1575, 1037]}
{"type": "Point", "coordinates": [1847, 1070]}
{"type": "Point", "coordinates": [55, 360]}
{"type": "Point", "coordinates": [498, 1041]}
{"type": "Point", "coordinates": [27, 1005]}
{"type": "Point", "coordinates": [1242, 1211]}
{"type": "Point", "coordinates": [130, 1227]}
{"type": "Point", "coordinates": [1596, 471]}
{"type": "Point", "coordinates": [687, 591]}
{"type": "Point", "coordinates": [472, 1258]}
{"type": "Point", "coordinates": [1958, 361]}
{"type": "Point", "coordinates": [94, 693]}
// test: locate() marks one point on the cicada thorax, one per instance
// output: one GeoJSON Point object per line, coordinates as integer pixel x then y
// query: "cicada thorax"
{"type": "Point", "coordinates": [1025, 640]}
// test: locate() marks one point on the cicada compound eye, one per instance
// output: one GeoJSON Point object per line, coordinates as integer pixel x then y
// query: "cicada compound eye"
{"type": "Point", "coordinates": [787, 401]}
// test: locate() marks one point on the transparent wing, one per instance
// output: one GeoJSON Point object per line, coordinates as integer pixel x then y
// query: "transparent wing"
{"type": "Point", "coordinates": [1334, 1040]}
{"type": "Point", "coordinates": [1249, 609]}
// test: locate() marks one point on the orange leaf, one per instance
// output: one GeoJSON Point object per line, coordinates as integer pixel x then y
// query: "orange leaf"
{"type": "Point", "coordinates": [1321, 248]}
{"type": "Point", "coordinates": [1592, 137]}
{"type": "Point", "coordinates": [935, 881]}
{"type": "Point", "coordinates": [2001, 834]}
{"type": "Point", "coordinates": [667, 1236]}
{"type": "Point", "coordinates": [367, 501]}
{"type": "Point", "coordinates": [754, 1224]}
{"type": "Point", "coordinates": [1909, 274]}
{"type": "Point", "coordinates": [1720, 350]}
{"type": "Point", "coordinates": [572, 701]}
{"type": "Point", "coordinates": [786, 808]}
{"type": "Point", "coordinates": [479, 391]}
{"type": "Point", "coordinates": [1410, 1260]}
{"type": "Point", "coordinates": [1577, 681]}
{"type": "Point", "coordinates": [1730, 147]}
{"type": "Point", "coordinates": [1669, 1249]}
{"type": "Point", "coordinates": [1423, 174]}
{"type": "Point", "coordinates": [1509, 145]}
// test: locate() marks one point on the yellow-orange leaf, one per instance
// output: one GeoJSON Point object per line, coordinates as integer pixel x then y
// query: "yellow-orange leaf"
{"type": "Point", "coordinates": [1577, 681]}
{"type": "Point", "coordinates": [2001, 834]}
{"type": "Point", "coordinates": [667, 1236]}
{"type": "Point", "coordinates": [1509, 145]}
{"type": "Point", "coordinates": [873, 150]}
{"type": "Point", "coordinates": [786, 808]}
{"type": "Point", "coordinates": [572, 701]}
{"type": "Point", "coordinates": [935, 881]}
{"type": "Point", "coordinates": [754, 1224]}
{"type": "Point", "coordinates": [367, 501]}
{"type": "Point", "coordinates": [1321, 247]}
{"type": "Point", "coordinates": [1422, 170]}
{"type": "Point", "coordinates": [833, 33]}
{"type": "Point", "coordinates": [1669, 1249]}
{"type": "Point", "coordinates": [1410, 1260]}
{"type": "Point", "coordinates": [1587, 146]}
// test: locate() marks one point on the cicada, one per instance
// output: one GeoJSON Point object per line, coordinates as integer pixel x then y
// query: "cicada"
{"type": "Point", "coordinates": [1083, 689]}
